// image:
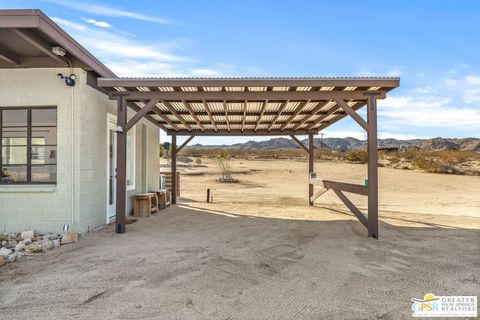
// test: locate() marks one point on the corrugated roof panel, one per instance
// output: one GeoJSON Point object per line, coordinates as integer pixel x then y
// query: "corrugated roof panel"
{"type": "Point", "coordinates": [291, 106]}
{"type": "Point", "coordinates": [234, 88]}
{"type": "Point", "coordinates": [254, 106]}
{"type": "Point", "coordinates": [179, 106]}
{"type": "Point", "coordinates": [350, 89]}
{"type": "Point", "coordinates": [143, 89]}
{"type": "Point", "coordinates": [351, 103]}
{"type": "Point", "coordinates": [266, 118]}
{"type": "Point", "coordinates": [189, 89]}
{"type": "Point", "coordinates": [257, 88]}
{"type": "Point", "coordinates": [235, 106]}
{"type": "Point", "coordinates": [162, 107]}
{"type": "Point", "coordinates": [273, 106]}
{"type": "Point", "coordinates": [215, 106]}
{"type": "Point", "coordinates": [203, 118]}
{"type": "Point", "coordinates": [197, 106]}
{"type": "Point", "coordinates": [328, 106]}
{"type": "Point", "coordinates": [276, 127]}
{"type": "Point", "coordinates": [299, 117]}
{"type": "Point", "coordinates": [165, 89]}
{"type": "Point", "coordinates": [249, 126]}
{"type": "Point", "coordinates": [212, 88]}
{"type": "Point", "coordinates": [327, 88]}
{"type": "Point", "coordinates": [280, 88]}
{"type": "Point", "coordinates": [172, 117]}
{"type": "Point", "coordinates": [330, 117]}
{"type": "Point", "coordinates": [262, 127]}
{"type": "Point", "coordinates": [188, 118]}
{"type": "Point", "coordinates": [309, 106]}
{"type": "Point", "coordinates": [235, 118]}
{"type": "Point", "coordinates": [373, 88]}
{"type": "Point", "coordinates": [120, 88]}
{"type": "Point", "coordinates": [304, 88]}
{"type": "Point", "coordinates": [282, 118]}
{"type": "Point", "coordinates": [251, 118]}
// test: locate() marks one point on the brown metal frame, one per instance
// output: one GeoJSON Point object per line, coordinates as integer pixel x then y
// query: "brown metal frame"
{"type": "Point", "coordinates": [333, 104]}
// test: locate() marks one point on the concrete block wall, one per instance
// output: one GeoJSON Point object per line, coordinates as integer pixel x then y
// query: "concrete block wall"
{"type": "Point", "coordinates": [48, 207]}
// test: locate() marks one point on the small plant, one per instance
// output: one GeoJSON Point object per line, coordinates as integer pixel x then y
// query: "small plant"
{"type": "Point", "coordinates": [224, 162]}
{"type": "Point", "coordinates": [198, 161]}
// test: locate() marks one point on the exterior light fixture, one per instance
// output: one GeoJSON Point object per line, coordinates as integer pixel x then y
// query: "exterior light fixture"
{"type": "Point", "coordinates": [69, 80]}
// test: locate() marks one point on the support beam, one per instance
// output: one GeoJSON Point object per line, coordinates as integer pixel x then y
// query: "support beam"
{"type": "Point", "coordinates": [372, 167]}
{"type": "Point", "coordinates": [38, 43]}
{"type": "Point", "coordinates": [265, 103]}
{"type": "Point", "coordinates": [140, 114]}
{"type": "Point", "coordinates": [174, 169]}
{"type": "Point", "coordinates": [174, 112]}
{"type": "Point", "coordinates": [165, 118]}
{"type": "Point", "coordinates": [347, 187]}
{"type": "Point", "coordinates": [280, 110]}
{"type": "Point", "coordinates": [136, 108]}
{"type": "Point", "coordinates": [311, 158]}
{"type": "Point", "coordinates": [121, 189]}
{"type": "Point", "coordinates": [209, 113]}
{"type": "Point", "coordinates": [332, 110]}
{"type": "Point", "coordinates": [339, 116]}
{"type": "Point", "coordinates": [360, 216]}
{"type": "Point", "coordinates": [318, 194]}
{"type": "Point", "coordinates": [244, 114]}
{"type": "Point", "coordinates": [352, 113]}
{"type": "Point", "coordinates": [240, 133]}
{"type": "Point", "coordinates": [226, 114]}
{"type": "Point", "coordinates": [185, 143]}
{"type": "Point", "coordinates": [9, 56]}
{"type": "Point", "coordinates": [297, 111]}
{"type": "Point", "coordinates": [300, 143]}
{"type": "Point", "coordinates": [192, 113]}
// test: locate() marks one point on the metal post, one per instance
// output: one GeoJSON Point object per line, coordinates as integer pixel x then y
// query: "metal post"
{"type": "Point", "coordinates": [311, 157]}
{"type": "Point", "coordinates": [208, 195]}
{"type": "Point", "coordinates": [372, 167]}
{"type": "Point", "coordinates": [121, 189]}
{"type": "Point", "coordinates": [174, 169]}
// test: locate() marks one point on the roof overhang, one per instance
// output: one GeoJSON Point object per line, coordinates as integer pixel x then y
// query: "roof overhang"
{"type": "Point", "coordinates": [246, 106]}
{"type": "Point", "coordinates": [27, 38]}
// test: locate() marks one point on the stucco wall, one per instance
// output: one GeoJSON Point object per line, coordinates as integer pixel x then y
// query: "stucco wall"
{"type": "Point", "coordinates": [48, 208]}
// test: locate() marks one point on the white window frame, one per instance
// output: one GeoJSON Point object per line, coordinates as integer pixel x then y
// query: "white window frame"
{"type": "Point", "coordinates": [131, 157]}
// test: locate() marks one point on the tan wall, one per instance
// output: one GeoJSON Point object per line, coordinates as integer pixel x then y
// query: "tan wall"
{"type": "Point", "coordinates": [48, 208]}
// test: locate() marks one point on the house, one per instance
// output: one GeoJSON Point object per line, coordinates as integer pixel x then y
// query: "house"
{"type": "Point", "coordinates": [58, 132]}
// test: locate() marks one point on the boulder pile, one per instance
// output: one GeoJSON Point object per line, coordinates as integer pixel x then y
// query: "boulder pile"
{"type": "Point", "coordinates": [14, 246]}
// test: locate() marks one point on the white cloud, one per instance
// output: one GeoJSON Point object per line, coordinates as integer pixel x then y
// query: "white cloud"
{"type": "Point", "coordinates": [106, 11]}
{"type": "Point", "coordinates": [69, 24]}
{"type": "Point", "coordinates": [101, 24]}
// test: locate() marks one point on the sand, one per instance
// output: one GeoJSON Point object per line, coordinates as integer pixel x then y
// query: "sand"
{"type": "Point", "coordinates": [258, 252]}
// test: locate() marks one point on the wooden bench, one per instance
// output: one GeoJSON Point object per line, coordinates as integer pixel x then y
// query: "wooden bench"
{"type": "Point", "coordinates": [163, 197]}
{"type": "Point", "coordinates": [145, 204]}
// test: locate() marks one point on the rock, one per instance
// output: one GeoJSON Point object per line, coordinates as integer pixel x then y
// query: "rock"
{"type": "Point", "coordinates": [4, 242]}
{"type": "Point", "coordinates": [16, 256]}
{"type": "Point", "coordinates": [27, 234]}
{"type": "Point", "coordinates": [27, 241]}
{"type": "Point", "coordinates": [46, 244]}
{"type": "Point", "coordinates": [4, 252]}
{"type": "Point", "coordinates": [56, 243]}
{"type": "Point", "coordinates": [51, 236]}
{"type": "Point", "coordinates": [2, 261]}
{"type": "Point", "coordinates": [34, 248]}
{"type": "Point", "coordinates": [20, 246]}
{"type": "Point", "coordinates": [12, 258]}
{"type": "Point", "coordinates": [69, 237]}
{"type": "Point", "coordinates": [11, 244]}
{"type": "Point", "coordinates": [3, 237]}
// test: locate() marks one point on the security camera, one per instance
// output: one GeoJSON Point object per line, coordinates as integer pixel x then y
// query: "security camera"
{"type": "Point", "coordinates": [69, 80]}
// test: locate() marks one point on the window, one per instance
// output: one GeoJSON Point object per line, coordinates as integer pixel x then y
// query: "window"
{"type": "Point", "coordinates": [131, 159]}
{"type": "Point", "coordinates": [28, 145]}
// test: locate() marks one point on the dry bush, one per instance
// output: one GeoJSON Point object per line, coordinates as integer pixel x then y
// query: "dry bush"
{"type": "Point", "coordinates": [225, 164]}
{"type": "Point", "coordinates": [356, 156]}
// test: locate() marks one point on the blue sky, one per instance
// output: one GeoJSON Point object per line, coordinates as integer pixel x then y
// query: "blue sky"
{"type": "Point", "coordinates": [433, 46]}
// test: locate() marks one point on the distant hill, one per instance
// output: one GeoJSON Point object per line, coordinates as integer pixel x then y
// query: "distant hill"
{"type": "Point", "coordinates": [349, 143]}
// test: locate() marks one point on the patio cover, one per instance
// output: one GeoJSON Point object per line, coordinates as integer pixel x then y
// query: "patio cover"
{"type": "Point", "coordinates": [252, 107]}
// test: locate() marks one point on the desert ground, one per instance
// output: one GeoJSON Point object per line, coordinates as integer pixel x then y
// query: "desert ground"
{"type": "Point", "coordinates": [258, 252]}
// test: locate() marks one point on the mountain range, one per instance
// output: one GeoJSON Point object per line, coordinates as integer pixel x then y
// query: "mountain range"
{"type": "Point", "coordinates": [349, 143]}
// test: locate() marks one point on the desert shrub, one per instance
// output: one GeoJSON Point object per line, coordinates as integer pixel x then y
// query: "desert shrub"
{"type": "Point", "coordinates": [198, 161]}
{"type": "Point", "coordinates": [225, 164]}
{"type": "Point", "coordinates": [359, 156]}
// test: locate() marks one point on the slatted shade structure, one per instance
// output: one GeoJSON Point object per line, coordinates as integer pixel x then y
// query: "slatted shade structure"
{"type": "Point", "coordinates": [252, 107]}
{"type": "Point", "coordinates": [246, 106]}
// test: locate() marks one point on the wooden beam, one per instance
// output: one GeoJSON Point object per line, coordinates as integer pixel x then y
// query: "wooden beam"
{"type": "Point", "coordinates": [280, 110]}
{"type": "Point", "coordinates": [136, 108]}
{"type": "Point", "coordinates": [339, 116]}
{"type": "Point", "coordinates": [314, 111]}
{"type": "Point", "coordinates": [121, 187]}
{"type": "Point", "coordinates": [140, 114]}
{"type": "Point", "coordinates": [209, 113]}
{"type": "Point", "coordinates": [332, 110]}
{"type": "Point", "coordinates": [240, 113]}
{"type": "Point", "coordinates": [266, 82]}
{"type": "Point", "coordinates": [343, 186]}
{"type": "Point", "coordinates": [240, 133]}
{"type": "Point", "coordinates": [311, 161]}
{"type": "Point", "coordinates": [174, 112]}
{"type": "Point", "coordinates": [165, 118]}
{"type": "Point", "coordinates": [297, 111]}
{"type": "Point", "coordinates": [185, 143]}
{"type": "Point", "coordinates": [174, 169]}
{"type": "Point", "coordinates": [38, 43]}
{"type": "Point", "coordinates": [352, 113]}
{"type": "Point", "coordinates": [372, 167]}
{"type": "Point", "coordinates": [245, 95]}
{"type": "Point", "coordinates": [360, 216]}
{"type": "Point", "coordinates": [9, 56]}
{"type": "Point", "coordinates": [317, 194]}
{"type": "Point", "coordinates": [189, 108]}
{"type": "Point", "coordinates": [226, 114]}
{"type": "Point", "coordinates": [262, 112]}
{"type": "Point", "coordinates": [300, 143]}
{"type": "Point", "coordinates": [244, 114]}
